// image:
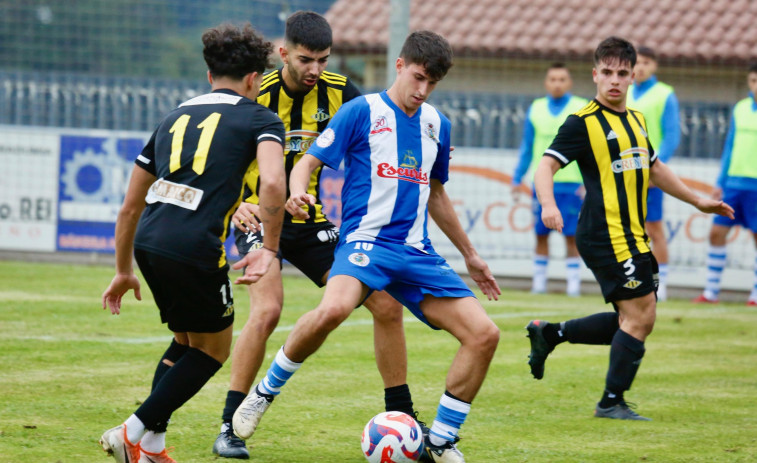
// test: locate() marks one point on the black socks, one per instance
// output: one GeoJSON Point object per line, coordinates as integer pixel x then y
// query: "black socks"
{"type": "Point", "coordinates": [398, 399]}
{"type": "Point", "coordinates": [599, 328]}
{"type": "Point", "coordinates": [626, 353]}
{"type": "Point", "coordinates": [233, 400]}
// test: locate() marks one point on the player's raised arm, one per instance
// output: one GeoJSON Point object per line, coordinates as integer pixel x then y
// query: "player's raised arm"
{"type": "Point", "coordinates": [126, 227]}
{"type": "Point", "coordinates": [299, 178]}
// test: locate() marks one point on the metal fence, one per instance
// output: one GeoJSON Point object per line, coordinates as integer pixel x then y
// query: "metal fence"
{"type": "Point", "coordinates": [121, 103]}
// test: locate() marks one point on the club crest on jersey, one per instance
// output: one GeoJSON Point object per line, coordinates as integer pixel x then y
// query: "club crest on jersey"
{"type": "Point", "coordinates": [321, 115]}
{"type": "Point", "coordinates": [325, 139]}
{"type": "Point", "coordinates": [360, 259]}
{"type": "Point", "coordinates": [380, 125]}
{"type": "Point", "coordinates": [430, 132]}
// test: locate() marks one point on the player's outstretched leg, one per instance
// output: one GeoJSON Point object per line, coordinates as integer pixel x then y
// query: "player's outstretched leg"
{"type": "Point", "coordinates": [248, 415]}
{"type": "Point", "coordinates": [540, 348]}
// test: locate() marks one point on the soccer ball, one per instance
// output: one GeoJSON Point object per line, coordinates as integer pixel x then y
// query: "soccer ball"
{"type": "Point", "coordinates": [392, 437]}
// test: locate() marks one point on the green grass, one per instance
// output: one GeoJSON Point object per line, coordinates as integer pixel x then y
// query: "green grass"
{"type": "Point", "coordinates": [70, 370]}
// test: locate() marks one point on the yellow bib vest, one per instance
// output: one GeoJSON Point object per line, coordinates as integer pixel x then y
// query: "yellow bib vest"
{"type": "Point", "coordinates": [744, 154]}
{"type": "Point", "coordinates": [652, 105]}
{"type": "Point", "coordinates": [546, 126]}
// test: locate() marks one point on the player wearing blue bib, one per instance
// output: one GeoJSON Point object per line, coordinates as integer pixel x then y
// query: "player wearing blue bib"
{"type": "Point", "coordinates": [395, 150]}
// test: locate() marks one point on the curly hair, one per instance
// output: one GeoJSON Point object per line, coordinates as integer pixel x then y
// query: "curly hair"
{"type": "Point", "coordinates": [235, 51]}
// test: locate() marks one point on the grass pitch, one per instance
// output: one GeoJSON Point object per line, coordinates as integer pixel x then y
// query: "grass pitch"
{"type": "Point", "coordinates": [71, 370]}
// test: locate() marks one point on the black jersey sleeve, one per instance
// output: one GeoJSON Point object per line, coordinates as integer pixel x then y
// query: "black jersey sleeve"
{"type": "Point", "coordinates": [571, 141]}
{"type": "Point", "coordinates": [146, 158]}
{"type": "Point", "coordinates": [269, 127]}
{"type": "Point", "coordinates": [350, 91]}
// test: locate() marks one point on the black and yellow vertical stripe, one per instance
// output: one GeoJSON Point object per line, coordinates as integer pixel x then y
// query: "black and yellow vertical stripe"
{"type": "Point", "coordinates": [619, 172]}
{"type": "Point", "coordinates": [305, 116]}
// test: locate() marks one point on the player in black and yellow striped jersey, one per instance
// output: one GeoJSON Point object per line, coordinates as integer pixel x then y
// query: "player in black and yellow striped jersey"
{"type": "Point", "coordinates": [610, 144]}
{"type": "Point", "coordinates": [305, 96]}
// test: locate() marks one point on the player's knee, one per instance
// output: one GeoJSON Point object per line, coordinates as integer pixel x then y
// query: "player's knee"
{"type": "Point", "coordinates": [330, 316]}
{"type": "Point", "coordinates": [264, 319]}
{"type": "Point", "coordinates": [386, 311]}
{"type": "Point", "coordinates": [486, 338]}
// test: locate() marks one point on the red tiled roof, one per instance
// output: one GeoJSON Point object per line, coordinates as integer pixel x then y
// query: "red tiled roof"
{"type": "Point", "coordinates": [680, 30]}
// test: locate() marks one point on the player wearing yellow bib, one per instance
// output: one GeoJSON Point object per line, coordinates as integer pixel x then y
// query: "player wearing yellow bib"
{"type": "Point", "coordinates": [545, 116]}
{"type": "Point", "coordinates": [658, 103]}
{"type": "Point", "coordinates": [736, 184]}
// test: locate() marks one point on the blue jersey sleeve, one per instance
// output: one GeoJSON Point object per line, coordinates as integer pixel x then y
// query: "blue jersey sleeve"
{"type": "Point", "coordinates": [671, 129]}
{"type": "Point", "coordinates": [343, 131]}
{"type": "Point", "coordinates": [440, 170]}
{"type": "Point", "coordinates": [526, 150]}
{"type": "Point", "coordinates": [725, 161]}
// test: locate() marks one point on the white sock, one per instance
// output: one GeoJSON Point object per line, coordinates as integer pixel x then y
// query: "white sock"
{"type": "Point", "coordinates": [135, 429]}
{"type": "Point", "coordinates": [153, 442]}
{"type": "Point", "coordinates": [539, 283]}
{"type": "Point", "coordinates": [573, 275]}
{"type": "Point", "coordinates": [753, 295]}
{"type": "Point", "coordinates": [716, 259]}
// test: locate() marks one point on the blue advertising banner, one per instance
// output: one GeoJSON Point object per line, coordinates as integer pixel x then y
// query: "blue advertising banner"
{"type": "Point", "coordinates": [94, 175]}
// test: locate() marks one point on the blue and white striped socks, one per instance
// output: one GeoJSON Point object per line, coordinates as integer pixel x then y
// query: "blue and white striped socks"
{"type": "Point", "coordinates": [715, 264]}
{"type": "Point", "coordinates": [753, 294]}
{"type": "Point", "coordinates": [280, 371]}
{"type": "Point", "coordinates": [539, 282]}
{"type": "Point", "coordinates": [450, 416]}
{"type": "Point", "coordinates": [573, 275]}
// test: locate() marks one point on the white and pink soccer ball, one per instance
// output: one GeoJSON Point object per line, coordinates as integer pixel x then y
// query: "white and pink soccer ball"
{"type": "Point", "coordinates": [392, 437]}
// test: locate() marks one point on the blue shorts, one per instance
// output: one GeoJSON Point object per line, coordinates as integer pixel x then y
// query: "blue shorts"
{"type": "Point", "coordinates": [654, 204]}
{"type": "Point", "coordinates": [744, 204]}
{"type": "Point", "coordinates": [569, 205]}
{"type": "Point", "coordinates": [404, 272]}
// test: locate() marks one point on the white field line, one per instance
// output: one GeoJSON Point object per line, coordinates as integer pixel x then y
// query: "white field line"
{"type": "Point", "coordinates": [279, 329]}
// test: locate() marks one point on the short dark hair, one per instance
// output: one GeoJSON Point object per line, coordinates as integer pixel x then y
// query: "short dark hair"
{"type": "Point", "coordinates": [752, 67]}
{"type": "Point", "coordinates": [309, 29]}
{"type": "Point", "coordinates": [557, 65]}
{"type": "Point", "coordinates": [647, 51]}
{"type": "Point", "coordinates": [430, 50]}
{"type": "Point", "coordinates": [615, 48]}
{"type": "Point", "coordinates": [235, 51]}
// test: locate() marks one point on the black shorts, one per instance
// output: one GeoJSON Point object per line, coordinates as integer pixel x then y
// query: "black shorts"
{"type": "Point", "coordinates": [190, 299]}
{"type": "Point", "coordinates": [635, 277]}
{"type": "Point", "coordinates": [308, 246]}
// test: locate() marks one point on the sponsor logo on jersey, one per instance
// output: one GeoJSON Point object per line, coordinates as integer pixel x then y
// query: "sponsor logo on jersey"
{"type": "Point", "coordinates": [407, 174]}
{"type": "Point", "coordinates": [177, 194]}
{"type": "Point", "coordinates": [325, 139]}
{"type": "Point", "coordinates": [229, 311]}
{"type": "Point", "coordinates": [612, 135]}
{"type": "Point", "coordinates": [628, 161]}
{"type": "Point", "coordinates": [632, 283]}
{"type": "Point", "coordinates": [380, 125]}
{"type": "Point", "coordinates": [360, 259]}
{"type": "Point", "coordinates": [299, 140]}
{"type": "Point", "coordinates": [321, 115]}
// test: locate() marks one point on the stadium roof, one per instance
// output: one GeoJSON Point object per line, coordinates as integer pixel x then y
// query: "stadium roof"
{"type": "Point", "coordinates": [685, 31]}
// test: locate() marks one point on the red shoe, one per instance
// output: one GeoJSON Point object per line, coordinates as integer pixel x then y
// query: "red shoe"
{"type": "Point", "coordinates": [703, 300]}
{"type": "Point", "coordinates": [751, 303]}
